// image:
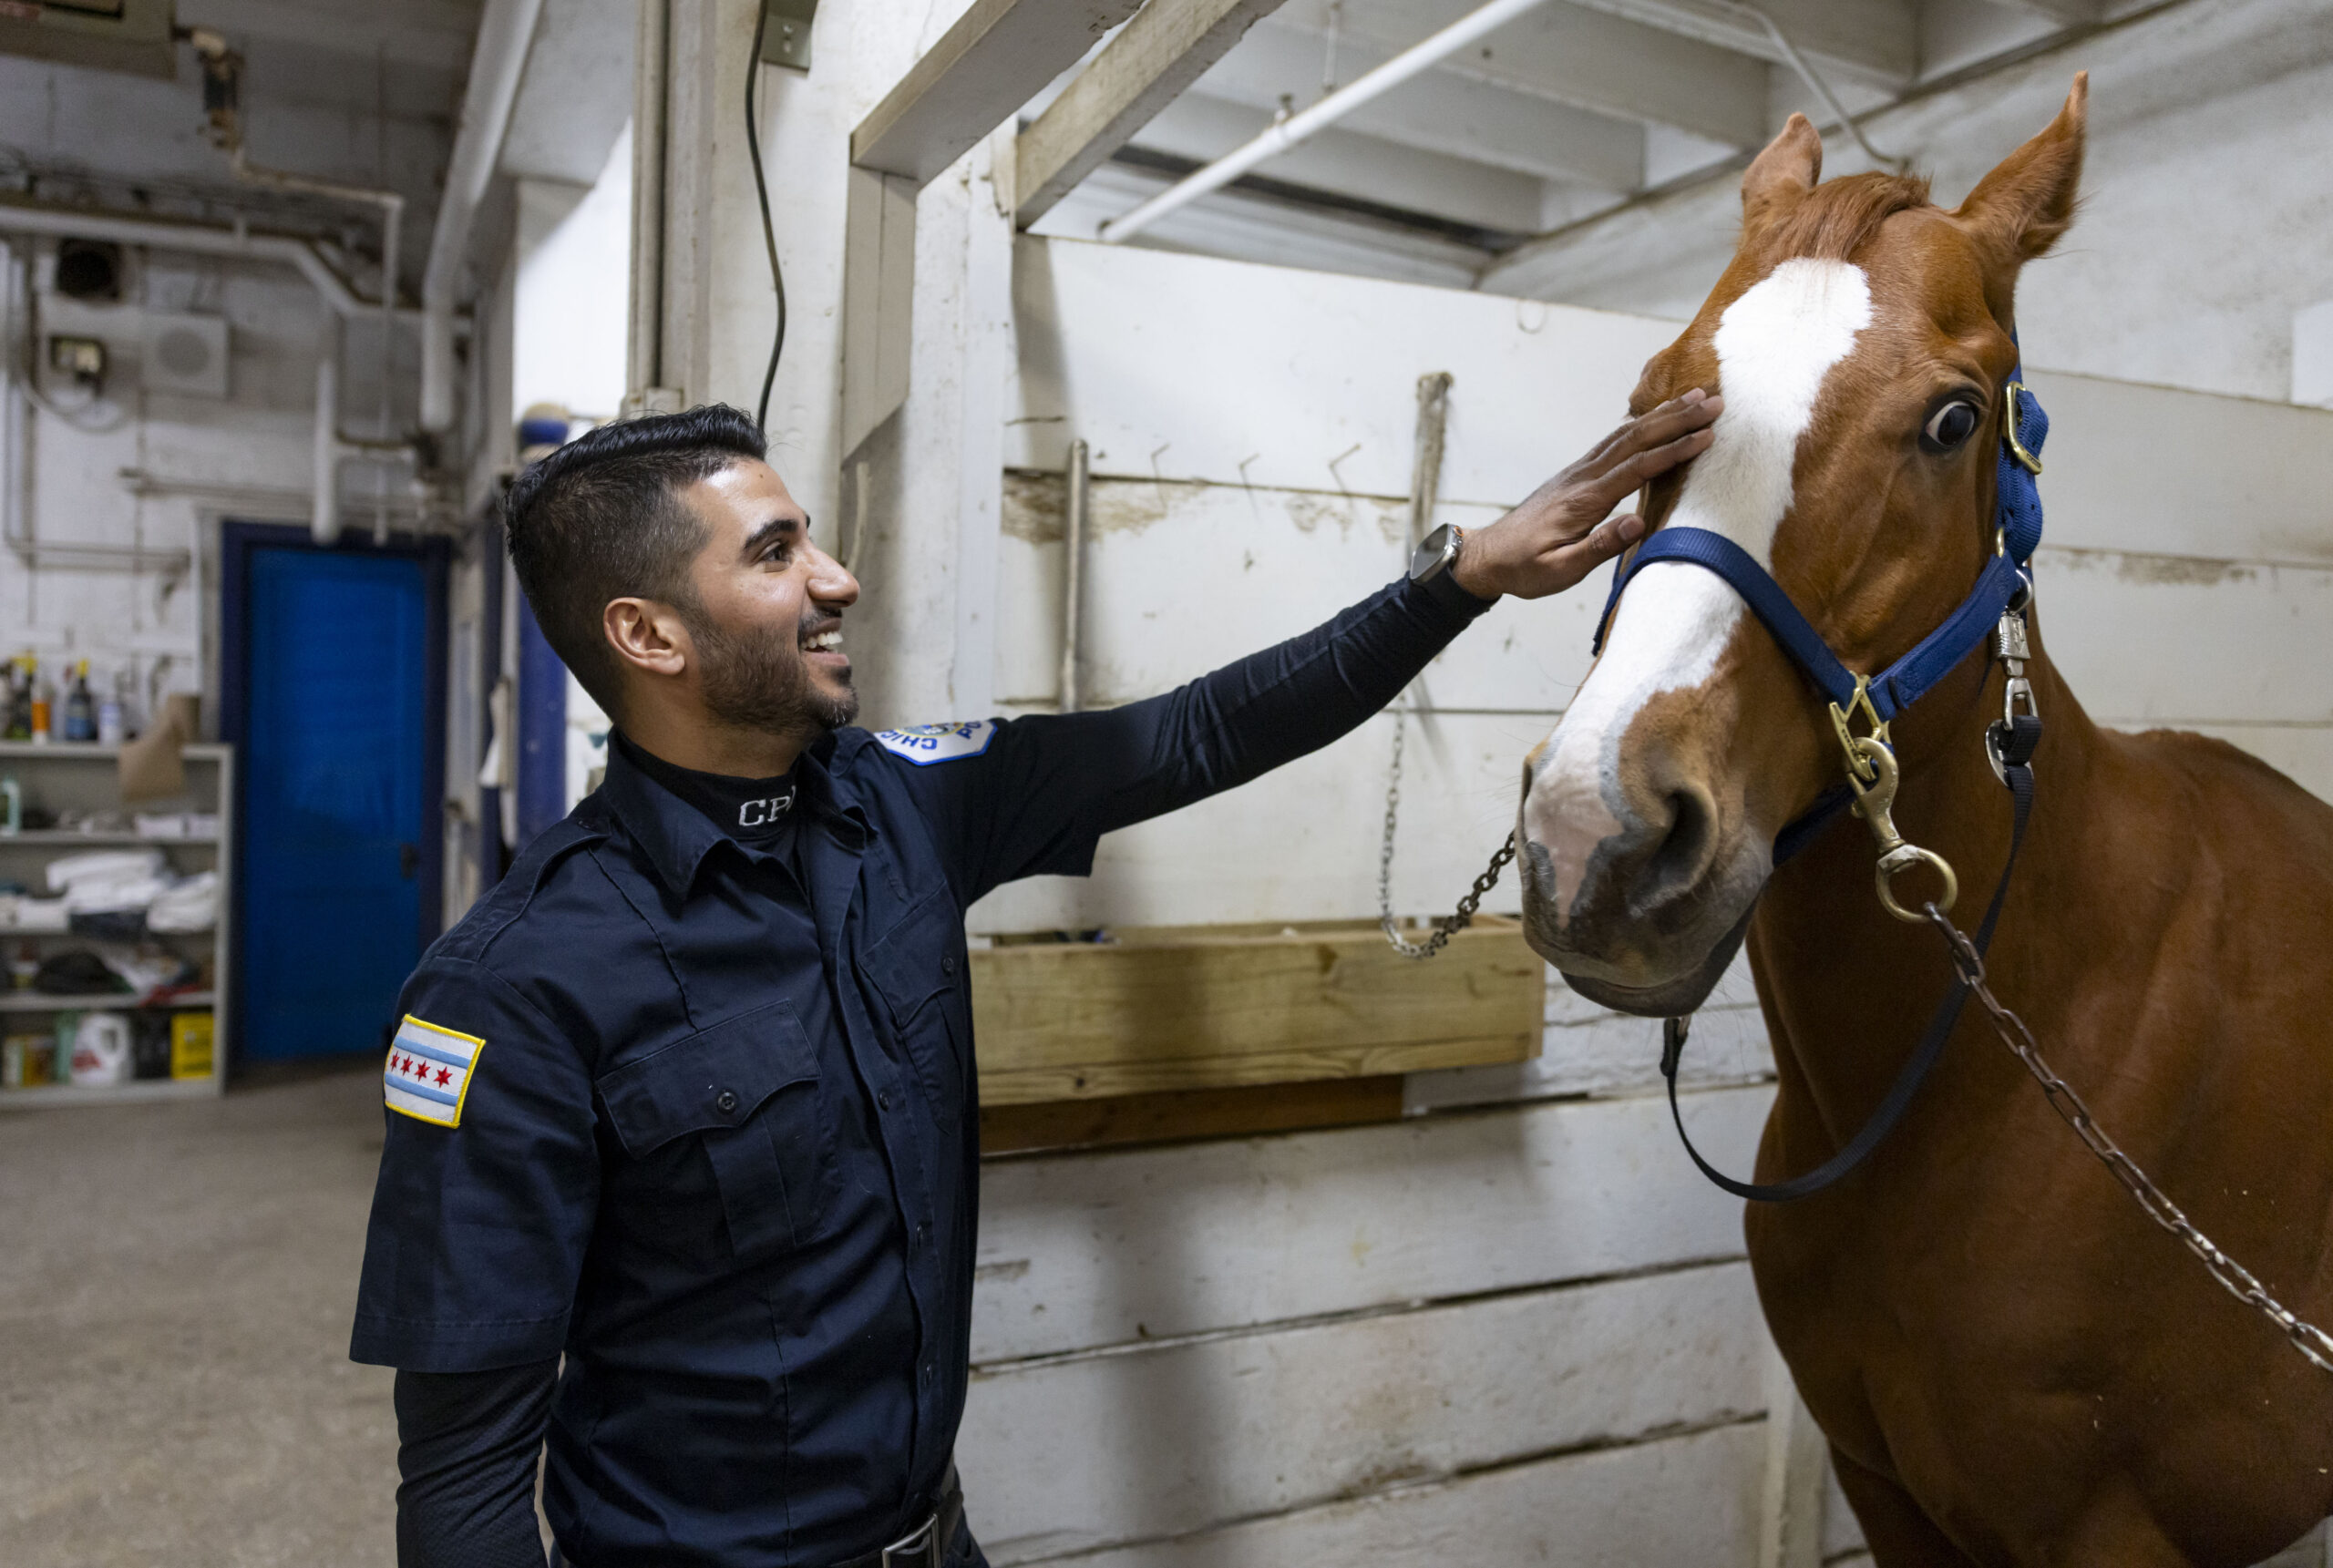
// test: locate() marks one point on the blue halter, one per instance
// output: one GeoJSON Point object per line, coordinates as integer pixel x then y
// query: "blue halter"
{"type": "Point", "coordinates": [2016, 518]}
{"type": "Point", "coordinates": [2001, 588]}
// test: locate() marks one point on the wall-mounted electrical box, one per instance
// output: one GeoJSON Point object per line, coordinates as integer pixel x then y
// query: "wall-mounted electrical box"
{"type": "Point", "coordinates": [785, 32]}
{"type": "Point", "coordinates": [131, 36]}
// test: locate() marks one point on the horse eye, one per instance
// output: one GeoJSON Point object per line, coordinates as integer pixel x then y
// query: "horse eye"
{"type": "Point", "coordinates": [1948, 427]}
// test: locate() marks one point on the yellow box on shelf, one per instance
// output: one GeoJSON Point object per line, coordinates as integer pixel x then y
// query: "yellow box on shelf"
{"type": "Point", "coordinates": [190, 1044]}
{"type": "Point", "coordinates": [1197, 1006]}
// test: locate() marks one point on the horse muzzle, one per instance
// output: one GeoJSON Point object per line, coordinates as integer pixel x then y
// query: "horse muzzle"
{"type": "Point", "coordinates": [1639, 896]}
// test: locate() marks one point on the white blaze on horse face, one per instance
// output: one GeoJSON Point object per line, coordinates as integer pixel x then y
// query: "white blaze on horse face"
{"type": "Point", "coordinates": [1774, 346]}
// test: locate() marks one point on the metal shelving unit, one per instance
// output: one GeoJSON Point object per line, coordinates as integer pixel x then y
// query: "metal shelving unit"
{"type": "Point", "coordinates": [78, 776]}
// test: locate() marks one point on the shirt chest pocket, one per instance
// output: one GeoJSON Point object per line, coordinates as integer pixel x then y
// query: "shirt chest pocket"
{"type": "Point", "coordinates": [749, 1091]}
{"type": "Point", "coordinates": [917, 968]}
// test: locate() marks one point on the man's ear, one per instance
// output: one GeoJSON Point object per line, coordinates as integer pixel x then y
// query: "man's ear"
{"type": "Point", "coordinates": [1779, 176]}
{"type": "Point", "coordinates": [2020, 207]}
{"type": "Point", "coordinates": [647, 636]}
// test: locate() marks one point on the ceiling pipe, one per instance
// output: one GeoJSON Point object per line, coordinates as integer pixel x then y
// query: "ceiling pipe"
{"type": "Point", "coordinates": [504, 33]}
{"type": "Point", "coordinates": [192, 238]}
{"type": "Point", "coordinates": [1299, 128]}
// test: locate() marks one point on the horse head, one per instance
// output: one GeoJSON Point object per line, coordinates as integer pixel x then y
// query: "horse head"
{"type": "Point", "coordinates": [1862, 338]}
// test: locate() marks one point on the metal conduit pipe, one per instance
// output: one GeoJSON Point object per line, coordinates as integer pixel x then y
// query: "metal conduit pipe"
{"type": "Point", "coordinates": [1302, 126]}
{"type": "Point", "coordinates": [504, 33]}
{"type": "Point", "coordinates": [16, 408]}
{"type": "Point", "coordinates": [194, 239]}
{"type": "Point", "coordinates": [1073, 540]}
{"type": "Point", "coordinates": [1815, 84]}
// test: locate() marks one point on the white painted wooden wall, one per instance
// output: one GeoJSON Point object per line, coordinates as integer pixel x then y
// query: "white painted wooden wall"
{"type": "Point", "coordinates": [1515, 1326]}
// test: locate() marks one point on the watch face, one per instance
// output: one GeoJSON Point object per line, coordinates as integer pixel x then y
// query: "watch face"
{"type": "Point", "coordinates": [1431, 552]}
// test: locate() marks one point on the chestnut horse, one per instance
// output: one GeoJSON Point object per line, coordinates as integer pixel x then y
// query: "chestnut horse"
{"type": "Point", "coordinates": [2012, 1364]}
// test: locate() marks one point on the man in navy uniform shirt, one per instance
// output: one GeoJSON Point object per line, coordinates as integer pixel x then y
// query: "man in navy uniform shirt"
{"type": "Point", "coordinates": [689, 1099]}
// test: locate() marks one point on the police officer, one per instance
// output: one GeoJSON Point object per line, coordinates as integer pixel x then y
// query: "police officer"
{"type": "Point", "coordinates": [681, 1160]}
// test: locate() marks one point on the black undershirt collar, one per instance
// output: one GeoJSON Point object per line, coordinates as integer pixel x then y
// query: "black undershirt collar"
{"type": "Point", "coordinates": [753, 812]}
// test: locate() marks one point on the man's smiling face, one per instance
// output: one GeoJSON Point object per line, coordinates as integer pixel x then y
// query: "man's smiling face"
{"type": "Point", "coordinates": [767, 620]}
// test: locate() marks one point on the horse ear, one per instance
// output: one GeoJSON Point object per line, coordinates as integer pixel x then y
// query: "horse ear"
{"type": "Point", "coordinates": [1786, 171]}
{"type": "Point", "coordinates": [2025, 204]}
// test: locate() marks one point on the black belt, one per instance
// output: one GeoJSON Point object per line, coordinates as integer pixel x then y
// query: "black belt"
{"type": "Point", "coordinates": [925, 1546]}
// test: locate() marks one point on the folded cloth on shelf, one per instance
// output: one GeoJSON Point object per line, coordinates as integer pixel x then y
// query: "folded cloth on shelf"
{"type": "Point", "coordinates": [128, 894]}
{"type": "Point", "coordinates": [40, 915]}
{"type": "Point", "coordinates": [103, 865]}
{"type": "Point", "coordinates": [191, 904]}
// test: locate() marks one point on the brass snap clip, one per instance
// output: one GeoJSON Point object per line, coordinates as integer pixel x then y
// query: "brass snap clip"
{"type": "Point", "coordinates": [1875, 803]}
{"type": "Point", "coordinates": [2010, 395]}
{"type": "Point", "coordinates": [1859, 771]}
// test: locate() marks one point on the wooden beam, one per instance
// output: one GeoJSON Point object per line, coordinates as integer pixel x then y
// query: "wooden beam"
{"type": "Point", "coordinates": [995, 58]}
{"type": "Point", "coordinates": [1441, 111]}
{"type": "Point", "coordinates": [1585, 58]}
{"type": "Point", "coordinates": [1161, 52]}
{"type": "Point", "coordinates": [879, 297]}
{"type": "Point", "coordinates": [1182, 1114]}
{"type": "Point", "coordinates": [1874, 43]}
{"type": "Point", "coordinates": [2070, 12]}
{"type": "Point", "coordinates": [1347, 163]}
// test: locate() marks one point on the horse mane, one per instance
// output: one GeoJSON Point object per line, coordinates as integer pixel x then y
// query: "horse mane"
{"type": "Point", "coordinates": [1834, 219]}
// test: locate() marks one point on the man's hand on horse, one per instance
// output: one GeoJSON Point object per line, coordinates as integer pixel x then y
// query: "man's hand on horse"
{"type": "Point", "coordinates": [1563, 532]}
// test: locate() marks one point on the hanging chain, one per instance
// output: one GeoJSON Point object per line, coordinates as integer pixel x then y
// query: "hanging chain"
{"type": "Point", "coordinates": [2232, 1277]}
{"type": "Point", "coordinates": [1445, 928]}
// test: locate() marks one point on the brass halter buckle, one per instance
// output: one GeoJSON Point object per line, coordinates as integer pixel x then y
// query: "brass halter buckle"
{"type": "Point", "coordinates": [2010, 395]}
{"type": "Point", "coordinates": [1871, 775]}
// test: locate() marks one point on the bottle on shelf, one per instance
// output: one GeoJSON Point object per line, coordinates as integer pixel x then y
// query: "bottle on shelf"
{"type": "Point", "coordinates": [111, 713]}
{"type": "Point", "coordinates": [20, 723]}
{"type": "Point", "coordinates": [80, 712]}
{"type": "Point", "coordinates": [44, 708]}
{"type": "Point", "coordinates": [24, 969]}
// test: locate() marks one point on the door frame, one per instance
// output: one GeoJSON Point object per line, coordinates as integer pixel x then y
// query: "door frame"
{"type": "Point", "coordinates": [238, 543]}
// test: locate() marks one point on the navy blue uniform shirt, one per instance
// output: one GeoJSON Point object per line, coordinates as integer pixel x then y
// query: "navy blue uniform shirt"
{"type": "Point", "coordinates": [718, 1139]}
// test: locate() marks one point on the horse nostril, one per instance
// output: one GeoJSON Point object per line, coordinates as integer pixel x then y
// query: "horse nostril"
{"type": "Point", "coordinates": [1677, 864]}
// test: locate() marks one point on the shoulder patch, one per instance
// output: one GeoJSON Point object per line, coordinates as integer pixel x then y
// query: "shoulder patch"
{"type": "Point", "coordinates": [428, 1072]}
{"type": "Point", "coordinates": [924, 745]}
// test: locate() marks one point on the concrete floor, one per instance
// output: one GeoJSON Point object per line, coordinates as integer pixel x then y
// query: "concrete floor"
{"type": "Point", "coordinates": [176, 1282]}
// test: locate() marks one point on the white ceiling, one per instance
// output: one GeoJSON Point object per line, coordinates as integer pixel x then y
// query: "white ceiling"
{"type": "Point", "coordinates": [1574, 109]}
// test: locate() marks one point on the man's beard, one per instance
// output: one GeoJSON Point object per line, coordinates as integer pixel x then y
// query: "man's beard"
{"type": "Point", "coordinates": [759, 682]}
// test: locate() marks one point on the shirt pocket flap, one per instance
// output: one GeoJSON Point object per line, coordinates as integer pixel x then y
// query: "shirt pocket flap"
{"type": "Point", "coordinates": [718, 1077]}
{"type": "Point", "coordinates": [915, 960]}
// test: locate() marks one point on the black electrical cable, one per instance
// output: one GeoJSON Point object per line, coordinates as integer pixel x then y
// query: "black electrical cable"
{"type": "Point", "coordinates": [769, 230]}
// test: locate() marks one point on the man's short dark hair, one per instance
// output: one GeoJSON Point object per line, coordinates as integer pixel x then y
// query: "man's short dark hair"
{"type": "Point", "coordinates": [602, 519]}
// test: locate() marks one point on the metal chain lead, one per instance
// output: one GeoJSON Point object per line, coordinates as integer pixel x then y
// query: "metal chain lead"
{"type": "Point", "coordinates": [1443, 929]}
{"type": "Point", "coordinates": [2232, 1277]}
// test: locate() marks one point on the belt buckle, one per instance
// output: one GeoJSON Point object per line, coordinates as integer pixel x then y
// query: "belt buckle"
{"type": "Point", "coordinates": [919, 1548]}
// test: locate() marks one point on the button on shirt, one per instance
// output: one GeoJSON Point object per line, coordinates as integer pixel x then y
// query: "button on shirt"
{"type": "Point", "coordinates": [718, 1142]}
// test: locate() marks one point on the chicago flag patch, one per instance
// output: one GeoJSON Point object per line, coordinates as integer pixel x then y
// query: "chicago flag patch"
{"type": "Point", "coordinates": [428, 1071]}
{"type": "Point", "coordinates": [924, 745]}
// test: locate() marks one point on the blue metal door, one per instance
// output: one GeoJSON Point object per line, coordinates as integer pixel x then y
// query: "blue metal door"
{"type": "Point", "coordinates": [335, 763]}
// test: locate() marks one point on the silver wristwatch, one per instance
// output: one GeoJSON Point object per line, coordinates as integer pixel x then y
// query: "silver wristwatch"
{"type": "Point", "coordinates": [1430, 569]}
{"type": "Point", "coordinates": [1437, 553]}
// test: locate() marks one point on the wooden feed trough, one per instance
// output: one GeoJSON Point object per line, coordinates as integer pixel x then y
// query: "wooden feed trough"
{"type": "Point", "coordinates": [1211, 1007]}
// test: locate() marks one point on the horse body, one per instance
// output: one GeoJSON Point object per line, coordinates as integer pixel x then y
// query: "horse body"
{"type": "Point", "coordinates": [2013, 1364]}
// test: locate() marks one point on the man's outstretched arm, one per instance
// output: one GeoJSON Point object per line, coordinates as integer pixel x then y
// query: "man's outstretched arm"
{"type": "Point", "coordinates": [1039, 791]}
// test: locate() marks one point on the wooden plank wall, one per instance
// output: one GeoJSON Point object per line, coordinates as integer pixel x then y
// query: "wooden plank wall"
{"type": "Point", "coordinates": [1514, 1325]}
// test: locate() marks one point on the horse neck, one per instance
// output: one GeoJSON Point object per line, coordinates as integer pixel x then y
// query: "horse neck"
{"type": "Point", "coordinates": [1848, 987]}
